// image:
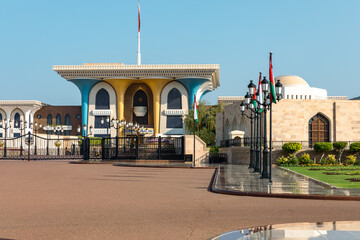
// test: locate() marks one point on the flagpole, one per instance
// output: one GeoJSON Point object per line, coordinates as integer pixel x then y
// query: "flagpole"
{"type": "Point", "coordinates": [194, 143]}
{"type": "Point", "coordinates": [270, 144]}
{"type": "Point", "coordinates": [138, 37]}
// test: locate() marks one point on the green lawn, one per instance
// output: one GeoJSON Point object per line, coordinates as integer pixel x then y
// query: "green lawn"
{"type": "Point", "coordinates": [336, 180]}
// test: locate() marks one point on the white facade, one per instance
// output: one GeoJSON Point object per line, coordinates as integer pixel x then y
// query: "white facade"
{"type": "Point", "coordinates": [25, 108]}
{"type": "Point", "coordinates": [295, 87]}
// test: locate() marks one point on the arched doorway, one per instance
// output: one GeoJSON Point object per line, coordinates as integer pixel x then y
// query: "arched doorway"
{"type": "Point", "coordinates": [140, 104]}
{"type": "Point", "coordinates": [318, 129]}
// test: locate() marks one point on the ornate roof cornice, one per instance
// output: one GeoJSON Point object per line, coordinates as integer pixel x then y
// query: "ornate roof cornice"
{"type": "Point", "coordinates": [104, 71]}
{"type": "Point", "coordinates": [16, 103]}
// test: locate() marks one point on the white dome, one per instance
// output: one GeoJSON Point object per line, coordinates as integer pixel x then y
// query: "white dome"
{"type": "Point", "coordinates": [292, 81]}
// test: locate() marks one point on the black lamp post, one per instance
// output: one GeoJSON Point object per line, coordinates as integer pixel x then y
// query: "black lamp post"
{"type": "Point", "coordinates": [102, 121]}
{"type": "Point", "coordinates": [58, 131]}
{"type": "Point", "coordinates": [35, 131]}
{"type": "Point", "coordinates": [48, 130]}
{"type": "Point", "coordinates": [124, 125]}
{"type": "Point", "coordinates": [251, 117]}
{"type": "Point", "coordinates": [268, 106]}
{"type": "Point", "coordinates": [257, 151]}
{"type": "Point", "coordinates": [22, 127]}
{"type": "Point", "coordinates": [265, 87]}
{"type": "Point", "coordinates": [5, 125]}
{"type": "Point", "coordinates": [117, 126]}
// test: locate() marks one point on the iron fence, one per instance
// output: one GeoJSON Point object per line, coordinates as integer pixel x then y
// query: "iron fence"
{"type": "Point", "coordinates": [275, 144]}
{"type": "Point", "coordinates": [136, 147]}
{"type": "Point", "coordinates": [33, 147]}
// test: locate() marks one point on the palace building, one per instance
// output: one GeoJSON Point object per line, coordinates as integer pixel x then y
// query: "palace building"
{"type": "Point", "coordinates": [154, 96]}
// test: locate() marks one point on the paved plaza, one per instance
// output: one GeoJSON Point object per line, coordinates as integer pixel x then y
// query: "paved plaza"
{"type": "Point", "coordinates": [239, 179]}
{"type": "Point", "coordinates": [57, 200]}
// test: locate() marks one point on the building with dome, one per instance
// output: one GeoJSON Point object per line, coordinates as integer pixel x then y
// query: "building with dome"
{"type": "Point", "coordinates": [305, 114]}
{"type": "Point", "coordinates": [296, 87]}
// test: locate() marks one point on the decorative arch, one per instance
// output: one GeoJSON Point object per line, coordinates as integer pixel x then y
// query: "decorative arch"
{"type": "Point", "coordinates": [58, 119]}
{"type": "Point", "coordinates": [49, 119]}
{"type": "Point", "coordinates": [130, 94]}
{"type": "Point", "coordinates": [102, 99]}
{"type": "Point", "coordinates": [172, 113]}
{"type": "Point", "coordinates": [319, 129]}
{"type": "Point", "coordinates": [174, 99]}
{"type": "Point", "coordinates": [226, 130]}
{"type": "Point", "coordinates": [234, 125]}
{"type": "Point", "coordinates": [102, 104]}
{"type": "Point", "coordinates": [140, 99]}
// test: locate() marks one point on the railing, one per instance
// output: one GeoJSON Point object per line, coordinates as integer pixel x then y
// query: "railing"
{"type": "Point", "coordinates": [34, 147]}
{"type": "Point", "coordinates": [136, 147]}
{"type": "Point", "coordinates": [275, 144]}
{"type": "Point", "coordinates": [217, 158]}
{"type": "Point", "coordinates": [240, 142]}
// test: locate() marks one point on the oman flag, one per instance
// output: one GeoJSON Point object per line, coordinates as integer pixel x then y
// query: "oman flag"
{"type": "Point", "coordinates": [195, 110]}
{"type": "Point", "coordinates": [261, 97]}
{"type": "Point", "coordinates": [272, 85]}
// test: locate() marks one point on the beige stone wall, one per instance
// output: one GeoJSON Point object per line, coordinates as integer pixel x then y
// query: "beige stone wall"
{"type": "Point", "coordinates": [291, 118]}
{"type": "Point", "coordinates": [201, 151]}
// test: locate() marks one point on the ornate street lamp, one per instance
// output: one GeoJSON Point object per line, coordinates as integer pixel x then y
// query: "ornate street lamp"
{"type": "Point", "coordinates": [35, 131]}
{"type": "Point", "coordinates": [117, 126]}
{"type": "Point", "coordinates": [5, 124]}
{"type": "Point", "coordinates": [22, 127]}
{"type": "Point", "coordinates": [251, 117]}
{"type": "Point", "coordinates": [251, 87]}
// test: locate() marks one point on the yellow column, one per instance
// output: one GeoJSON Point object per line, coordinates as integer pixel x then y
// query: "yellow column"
{"type": "Point", "coordinates": [120, 86]}
{"type": "Point", "coordinates": [156, 86]}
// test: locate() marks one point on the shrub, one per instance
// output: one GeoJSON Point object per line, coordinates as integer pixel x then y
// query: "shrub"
{"type": "Point", "coordinates": [355, 147]}
{"type": "Point", "coordinates": [331, 159]}
{"type": "Point", "coordinates": [323, 146]}
{"type": "Point", "coordinates": [214, 149]}
{"type": "Point", "coordinates": [339, 145]}
{"type": "Point", "coordinates": [323, 161]}
{"type": "Point", "coordinates": [293, 160]}
{"type": "Point", "coordinates": [350, 160]}
{"type": "Point", "coordinates": [305, 160]}
{"type": "Point", "coordinates": [291, 147]}
{"type": "Point", "coordinates": [282, 161]}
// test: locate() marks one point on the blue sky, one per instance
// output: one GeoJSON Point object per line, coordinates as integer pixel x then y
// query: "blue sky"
{"type": "Point", "coordinates": [317, 40]}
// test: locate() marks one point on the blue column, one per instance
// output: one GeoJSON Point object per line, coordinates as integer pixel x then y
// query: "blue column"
{"type": "Point", "coordinates": [192, 85]}
{"type": "Point", "coordinates": [84, 86]}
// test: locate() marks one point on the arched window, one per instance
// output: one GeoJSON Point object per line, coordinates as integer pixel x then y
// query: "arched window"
{"type": "Point", "coordinates": [67, 123]}
{"type": "Point", "coordinates": [49, 122]}
{"type": "Point", "coordinates": [58, 119]}
{"type": "Point", "coordinates": [140, 99]}
{"type": "Point", "coordinates": [174, 99]}
{"type": "Point", "coordinates": [318, 129]}
{"type": "Point", "coordinates": [102, 100]}
{"type": "Point", "coordinates": [17, 120]}
{"type": "Point", "coordinates": [49, 119]}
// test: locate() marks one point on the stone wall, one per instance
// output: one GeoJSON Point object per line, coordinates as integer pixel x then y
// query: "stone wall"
{"type": "Point", "coordinates": [291, 120]}
{"type": "Point", "coordinates": [201, 151]}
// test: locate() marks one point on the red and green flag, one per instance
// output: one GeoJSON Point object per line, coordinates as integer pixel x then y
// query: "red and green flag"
{"type": "Point", "coordinates": [254, 99]}
{"type": "Point", "coordinates": [272, 85]}
{"type": "Point", "coordinates": [195, 110]}
{"type": "Point", "coordinates": [261, 97]}
{"type": "Point", "coordinates": [138, 16]}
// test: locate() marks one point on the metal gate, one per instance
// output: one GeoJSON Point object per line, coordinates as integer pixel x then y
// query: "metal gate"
{"type": "Point", "coordinates": [137, 147]}
{"type": "Point", "coordinates": [33, 147]}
